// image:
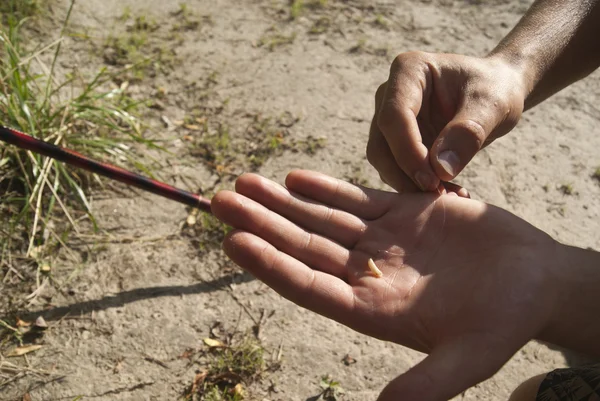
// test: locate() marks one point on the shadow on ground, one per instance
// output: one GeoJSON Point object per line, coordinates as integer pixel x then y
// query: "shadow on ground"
{"type": "Point", "coordinates": [126, 297]}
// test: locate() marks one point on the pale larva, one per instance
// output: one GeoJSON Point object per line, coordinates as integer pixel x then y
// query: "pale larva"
{"type": "Point", "coordinates": [374, 269]}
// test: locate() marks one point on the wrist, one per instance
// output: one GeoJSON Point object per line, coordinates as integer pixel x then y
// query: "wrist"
{"type": "Point", "coordinates": [521, 69]}
{"type": "Point", "coordinates": [574, 278]}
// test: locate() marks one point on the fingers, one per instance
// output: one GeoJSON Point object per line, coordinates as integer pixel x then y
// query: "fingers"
{"type": "Point", "coordinates": [380, 156]}
{"type": "Point", "coordinates": [467, 132]}
{"type": "Point", "coordinates": [317, 251]}
{"type": "Point", "coordinates": [457, 189]}
{"type": "Point", "coordinates": [332, 223]}
{"type": "Point", "coordinates": [366, 203]}
{"type": "Point", "coordinates": [397, 119]}
{"type": "Point", "coordinates": [311, 289]}
{"type": "Point", "coordinates": [448, 371]}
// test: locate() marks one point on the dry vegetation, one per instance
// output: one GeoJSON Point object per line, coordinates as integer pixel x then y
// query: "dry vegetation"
{"type": "Point", "coordinates": [44, 205]}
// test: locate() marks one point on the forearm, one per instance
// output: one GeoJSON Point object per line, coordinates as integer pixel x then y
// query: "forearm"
{"type": "Point", "coordinates": [555, 44]}
{"type": "Point", "coordinates": [575, 321]}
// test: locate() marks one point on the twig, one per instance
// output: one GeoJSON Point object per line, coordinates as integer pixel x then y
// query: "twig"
{"type": "Point", "coordinates": [156, 361]}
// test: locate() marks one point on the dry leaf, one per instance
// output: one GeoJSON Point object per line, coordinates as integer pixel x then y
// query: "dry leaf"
{"type": "Point", "coordinates": [22, 323]}
{"type": "Point", "coordinates": [192, 127]}
{"type": "Point", "coordinates": [20, 351]}
{"type": "Point", "coordinates": [212, 343]}
{"type": "Point", "coordinates": [26, 397]}
{"type": "Point", "coordinates": [348, 360]}
{"type": "Point", "coordinates": [201, 120]}
{"type": "Point", "coordinates": [238, 390]}
{"type": "Point", "coordinates": [187, 354]}
{"type": "Point", "coordinates": [198, 380]}
{"type": "Point", "coordinates": [191, 220]}
{"type": "Point", "coordinates": [36, 251]}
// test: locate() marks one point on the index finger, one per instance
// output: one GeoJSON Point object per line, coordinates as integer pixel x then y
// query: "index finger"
{"type": "Point", "coordinates": [397, 119]}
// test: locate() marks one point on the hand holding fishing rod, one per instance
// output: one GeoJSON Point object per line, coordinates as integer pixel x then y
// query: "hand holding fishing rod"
{"type": "Point", "coordinates": [73, 158]}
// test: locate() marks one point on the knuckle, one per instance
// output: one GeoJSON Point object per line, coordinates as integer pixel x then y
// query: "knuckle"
{"type": "Point", "coordinates": [388, 116]}
{"type": "Point", "coordinates": [406, 59]}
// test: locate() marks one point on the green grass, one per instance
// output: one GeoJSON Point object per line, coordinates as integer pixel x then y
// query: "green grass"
{"type": "Point", "coordinates": [298, 7]}
{"type": "Point", "coordinates": [229, 369]}
{"type": "Point", "coordinates": [566, 189]}
{"type": "Point", "coordinates": [596, 174]}
{"type": "Point", "coordinates": [37, 194]}
{"type": "Point", "coordinates": [244, 360]}
{"type": "Point", "coordinates": [275, 39]}
{"type": "Point", "coordinates": [320, 26]}
{"type": "Point", "coordinates": [332, 391]}
{"type": "Point", "coordinates": [187, 20]}
{"type": "Point", "coordinates": [140, 49]}
{"type": "Point", "coordinates": [17, 10]}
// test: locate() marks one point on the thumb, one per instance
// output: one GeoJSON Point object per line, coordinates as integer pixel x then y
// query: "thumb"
{"type": "Point", "coordinates": [448, 371]}
{"type": "Point", "coordinates": [460, 140]}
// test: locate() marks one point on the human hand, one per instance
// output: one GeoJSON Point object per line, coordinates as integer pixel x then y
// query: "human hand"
{"type": "Point", "coordinates": [436, 111]}
{"type": "Point", "coordinates": [462, 281]}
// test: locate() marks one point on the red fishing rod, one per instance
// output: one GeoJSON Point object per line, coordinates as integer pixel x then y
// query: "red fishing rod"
{"type": "Point", "coordinates": [68, 156]}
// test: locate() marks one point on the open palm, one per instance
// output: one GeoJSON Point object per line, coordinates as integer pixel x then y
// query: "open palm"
{"type": "Point", "coordinates": [462, 281]}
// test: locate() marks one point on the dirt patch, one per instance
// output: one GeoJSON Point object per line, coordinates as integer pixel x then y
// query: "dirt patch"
{"type": "Point", "coordinates": [256, 85]}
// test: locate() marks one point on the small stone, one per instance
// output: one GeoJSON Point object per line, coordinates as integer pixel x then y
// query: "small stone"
{"type": "Point", "coordinates": [40, 323]}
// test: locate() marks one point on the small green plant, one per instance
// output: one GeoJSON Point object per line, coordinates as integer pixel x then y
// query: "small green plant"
{"type": "Point", "coordinates": [81, 113]}
{"type": "Point", "coordinates": [214, 393]}
{"type": "Point", "coordinates": [264, 137]}
{"type": "Point", "coordinates": [187, 19]}
{"type": "Point", "coordinates": [137, 49]}
{"type": "Point", "coordinates": [381, 22]}
{"type": "Point", "coordinates": [332, 391]}
{"type": "Point", "coordinates": [125, 49]}
{"type": "Point", "coordinates": [297, 7]}
{"type": "Point", "coordinates": [9, 334]}
{"type": "Point", "coordinates": [320, 26]}
{"type": "Point", "coordinates": [275, 39]}
{"type": "Point", "coordinates": [596, 174]}
{"type": "Point", "coordinates": [359, 47]}
{"type": "Point", "coordinates": [566, 189]}
{"type": "Point", "coordinates": [128, 48]}
{"type": "Point", "coordinates": [208, 232]}
{"type": "Point", "coordinates": [18, 10]}
{"type": "Point", "coordinates": [244, 360]}
{"type": "Point", "coordinates": [126, 15]}
{"type": "Point", "coordinates": [229, 368]}
{"type": "Point", "coordinates": [214, 147]}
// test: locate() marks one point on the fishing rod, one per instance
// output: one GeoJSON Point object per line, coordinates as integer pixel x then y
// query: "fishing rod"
{"type": "Point", "coordinates": [24, 141]}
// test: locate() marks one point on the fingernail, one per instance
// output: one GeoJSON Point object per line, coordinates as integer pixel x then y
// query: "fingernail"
{"type": "Point", "coordinates": [463, 193]}
{"type": "Point", "coordinates": [449, 161]}
{"type": "Point", "coordinates": [424, 180]}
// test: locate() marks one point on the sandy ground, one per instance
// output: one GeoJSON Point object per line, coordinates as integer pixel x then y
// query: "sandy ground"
{"type": "Point", "coordinates": [152, 297]}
